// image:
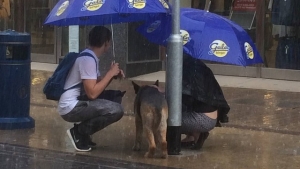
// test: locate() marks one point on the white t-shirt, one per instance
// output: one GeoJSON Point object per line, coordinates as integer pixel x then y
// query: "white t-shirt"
{"type": "Point", "coordinates": [83, 68]}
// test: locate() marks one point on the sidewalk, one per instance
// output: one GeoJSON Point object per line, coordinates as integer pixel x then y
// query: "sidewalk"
{"type": "Point", "coordinates": [236, 82]}
{"type": "Point", "coordinates": [224, 81]}
{"type": "Point", "coordinates": [263, 132]}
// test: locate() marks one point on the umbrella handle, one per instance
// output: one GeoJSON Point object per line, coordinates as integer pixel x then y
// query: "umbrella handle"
{"type": "Point", "coordinates": [208, 6]}
{"type": "Point", "coordinates": [113, 45]}
{"type": "Point", "coordinates": [113, 42]}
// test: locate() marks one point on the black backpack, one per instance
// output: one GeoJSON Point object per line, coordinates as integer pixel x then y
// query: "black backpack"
{"type": "Point", "coordinates": [54, 86]}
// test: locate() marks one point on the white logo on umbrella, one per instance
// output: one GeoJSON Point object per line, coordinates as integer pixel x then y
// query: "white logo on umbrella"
{"type": "Point", "coordinates": [249, 50]}
{"type": "Point", "coordinates": [185, 36]}
{"type": "Point", "coordinates": [92, 5]}
{"type": "Point", "coordinates": [138, 4]}
{"type": "Point", "coordinates": [62, 8]}
{"type": "Point", "coordinates": [218, 48]}
{"type": "Point", "coordinates": [164, 3]}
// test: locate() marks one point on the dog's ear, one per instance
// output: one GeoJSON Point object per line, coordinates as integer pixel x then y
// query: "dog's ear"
{"type": "Point", "coordinates": [156, 83]}
{"type": "Point", "coordinates": [136, 87]}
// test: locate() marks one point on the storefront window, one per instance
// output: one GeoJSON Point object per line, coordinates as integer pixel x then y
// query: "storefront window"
{"type": "Point", "coordinates": [221, 7]}
{"type": "Point", "coordinates": [83, 33]}
{"type": "Point", "coordinates": [42, 36]}
{"type": "Point", "coordinates": [282, 33]}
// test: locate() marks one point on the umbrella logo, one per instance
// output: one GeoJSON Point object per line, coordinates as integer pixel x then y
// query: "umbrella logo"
{"type": "Point", "coordinates": [138, 4]}
{"type": "Point", "coordinates": [164, 3]}
{"type": "Point", "coordinates": [92, 5]}
{"type": "Point", "coordinates": [249, 50]}
{"type": "Point", "coordinates": [218, 48]}
{"type": "Point", "coordinates": [185, 36]}
{"type": "Point", "coordinates": [153, 26]}
{"type": "Point", "coordinates": [62, 8]}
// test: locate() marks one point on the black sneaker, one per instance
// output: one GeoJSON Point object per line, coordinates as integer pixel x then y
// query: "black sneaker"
{"type": "Point", "coordinates": [78, 140]}
{"type": "Point", "coordinates": [90, 142]}
{"type": "Point", "coordinates": [89, 138]}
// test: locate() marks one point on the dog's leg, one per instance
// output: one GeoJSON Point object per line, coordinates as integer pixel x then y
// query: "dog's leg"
{"type": "Point", "coordinates": [147, 113]}
{"type": "Point", "coordinates": [163, 143]}
{"type": "Point", "coordinates": [162, 132]}
{"type": "Point", "coordinates": [151, 142]}
{"type": "Point", "coordinates": [138, 133]}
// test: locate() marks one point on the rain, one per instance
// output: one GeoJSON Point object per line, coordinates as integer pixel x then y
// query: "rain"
{"type": "Point", "coordinates": [230, 63]}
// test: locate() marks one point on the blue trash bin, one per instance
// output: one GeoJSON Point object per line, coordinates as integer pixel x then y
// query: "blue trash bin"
{"type": "Point", "coordinates": [15, 77]}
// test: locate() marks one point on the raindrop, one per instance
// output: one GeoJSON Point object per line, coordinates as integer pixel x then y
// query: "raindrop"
{"type": "Point", "coordinates": [216, 166]}
{"type": "Point", "coordinates": [295, 152]}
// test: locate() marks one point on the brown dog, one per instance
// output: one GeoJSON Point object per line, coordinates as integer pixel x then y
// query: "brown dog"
{"type": "Point", "coordinates": [151, 113]}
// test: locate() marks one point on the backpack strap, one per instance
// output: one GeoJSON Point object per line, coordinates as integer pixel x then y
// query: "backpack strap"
{"type": "Point", "coordinates": [80, 55]}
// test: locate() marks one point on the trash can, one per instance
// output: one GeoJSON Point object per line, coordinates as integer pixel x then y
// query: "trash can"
{"type": "Point", "coordinates": [15, 77]}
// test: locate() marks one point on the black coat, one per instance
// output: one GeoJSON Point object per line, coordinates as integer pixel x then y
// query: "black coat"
{"type": "Point", "coordinates": [200, 90]}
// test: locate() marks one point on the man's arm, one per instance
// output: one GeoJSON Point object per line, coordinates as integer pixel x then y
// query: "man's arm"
{"type": "Point", "coordinates": [94, 87]}
{"type": "Point", "coordinates": [99, 79]}
{"type": "Point", "coordinates": [120, 76]}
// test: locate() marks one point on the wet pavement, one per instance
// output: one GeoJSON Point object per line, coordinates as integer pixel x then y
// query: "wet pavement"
{"type": "Point", "coordinates": [19, 157]}
{"type": "Point", "coordinates": [263, 132]}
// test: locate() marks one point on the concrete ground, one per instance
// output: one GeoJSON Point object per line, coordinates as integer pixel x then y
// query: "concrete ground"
{"type": "Point", "coordinates": [263, 132]}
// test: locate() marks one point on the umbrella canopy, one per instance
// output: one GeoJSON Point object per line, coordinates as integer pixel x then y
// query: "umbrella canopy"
{"type": "Point", "coordinates": [206, 36]}
{"type": "Point", "coordinates": [102, 12]}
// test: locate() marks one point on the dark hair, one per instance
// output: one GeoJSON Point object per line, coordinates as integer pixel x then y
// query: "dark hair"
{"type": "Point", "coordinates": [98, 36]}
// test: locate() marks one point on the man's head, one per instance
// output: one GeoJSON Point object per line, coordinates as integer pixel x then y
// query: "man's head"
{"type": "Point", "coordinates": [100, 38]}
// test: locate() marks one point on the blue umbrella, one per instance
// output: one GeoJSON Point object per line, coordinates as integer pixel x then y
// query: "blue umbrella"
{"type": "Point", "coordinates": [206, 36]}
{"type": "Point", "coordinates": [102, 12]}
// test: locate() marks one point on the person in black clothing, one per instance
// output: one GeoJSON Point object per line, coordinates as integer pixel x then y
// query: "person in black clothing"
{"type": "Point", "coordinates": [203, 103]}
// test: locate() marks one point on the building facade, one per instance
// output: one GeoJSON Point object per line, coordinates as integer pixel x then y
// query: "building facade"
{"type": "Point", "coordinates": [50, 43]}
{"type": "Point", "coordinates": [272, 24]}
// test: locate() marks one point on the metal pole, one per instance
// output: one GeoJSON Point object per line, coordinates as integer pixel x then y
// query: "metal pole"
{"type": "Point", "coordinates": [174, 82]}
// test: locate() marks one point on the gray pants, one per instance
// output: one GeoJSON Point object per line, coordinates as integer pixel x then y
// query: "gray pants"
{"type": "Point", "coordinates": [193, 122]}
{"type": "Point", "coordinates": [94, 115]}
